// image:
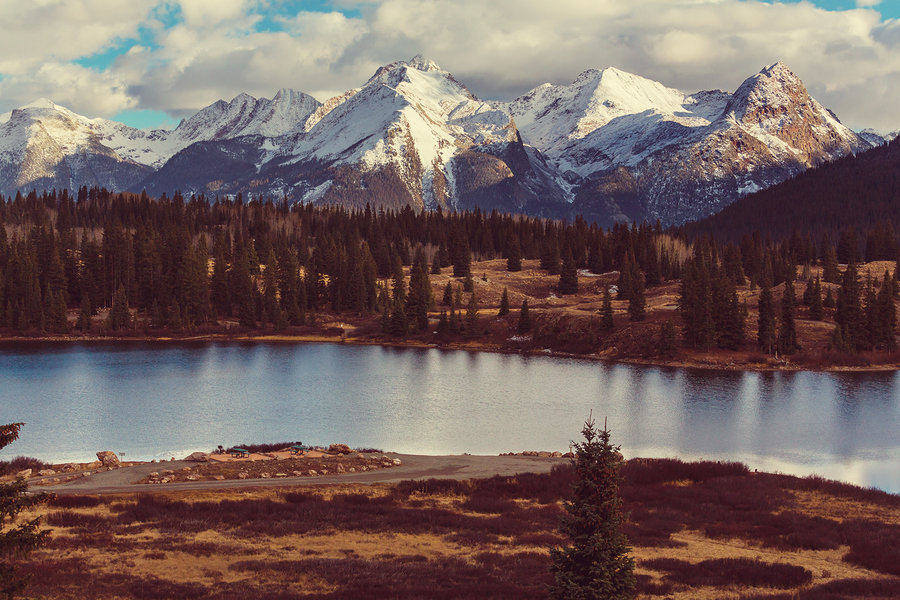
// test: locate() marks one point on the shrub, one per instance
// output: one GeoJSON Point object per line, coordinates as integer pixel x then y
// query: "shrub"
{"type": "Point", "coordinates": [729, 571]}
{"type": "Point", "coordinates": [21, 463]}
{"type": "Point", "coordinates": [75, 501]}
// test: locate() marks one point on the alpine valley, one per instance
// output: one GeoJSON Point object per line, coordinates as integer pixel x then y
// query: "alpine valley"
{"type": "Point", "coordinates": [611, 146]}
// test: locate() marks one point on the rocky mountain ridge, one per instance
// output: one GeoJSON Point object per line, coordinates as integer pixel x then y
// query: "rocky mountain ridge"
{"type": "Point", "coordinates": [611, 145]}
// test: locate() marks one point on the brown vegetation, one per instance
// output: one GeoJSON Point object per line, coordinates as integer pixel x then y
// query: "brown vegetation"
{"type": "Point", "coordinates": [699, 530]}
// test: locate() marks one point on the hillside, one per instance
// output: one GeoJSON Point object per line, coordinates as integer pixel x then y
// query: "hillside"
{"type": "Point", "coordinates": [855, 191]}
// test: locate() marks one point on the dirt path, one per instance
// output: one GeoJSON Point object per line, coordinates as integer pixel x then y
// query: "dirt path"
{"type": "Point", "coordinates": [413, 466]}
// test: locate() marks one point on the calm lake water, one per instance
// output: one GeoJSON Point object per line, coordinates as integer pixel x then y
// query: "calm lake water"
{"type": "Point", "coordinates": [159, 400]}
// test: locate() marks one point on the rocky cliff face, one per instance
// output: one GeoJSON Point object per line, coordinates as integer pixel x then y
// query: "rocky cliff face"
{"type": "Point", "coordinates": [612, 145]}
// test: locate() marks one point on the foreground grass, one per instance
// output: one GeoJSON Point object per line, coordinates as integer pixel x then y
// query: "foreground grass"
{"type": "Point", "coordinates": [700, 530]}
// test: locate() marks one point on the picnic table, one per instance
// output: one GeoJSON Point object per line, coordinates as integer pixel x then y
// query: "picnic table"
{"type": "Point", "coordinates": [297, 449]}
{"type": "Point", "coordinates": [239, 453]}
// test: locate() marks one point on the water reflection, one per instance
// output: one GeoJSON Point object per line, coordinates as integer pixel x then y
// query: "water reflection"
{"type": "Point", "coordinates": [159, 400]}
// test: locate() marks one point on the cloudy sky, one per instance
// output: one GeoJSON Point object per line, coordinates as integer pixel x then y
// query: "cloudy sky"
{"type": "Point", "coordinates": [149, 62]}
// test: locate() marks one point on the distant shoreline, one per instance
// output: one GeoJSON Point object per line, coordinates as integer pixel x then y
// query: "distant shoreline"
{"type": "Point", "coordinates": [468, 346]}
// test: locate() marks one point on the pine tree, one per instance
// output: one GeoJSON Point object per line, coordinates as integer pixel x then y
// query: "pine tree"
{"type": "Point", "coordinates": [84, 315]}
{"type": "Point", "coordinates": [420, 299]}
{"type": "Point", "coordinates": [848, 310]}
{"type": "Point", "coordinates": [666, 344]}
{"type": "Point", "coordinates": [568, 276]}
{"type": "Point", "coordinates": [524, 318]}
{"type": "Point", "coordinates": [596, 564]}
{"type": "Point", "coordinates": [447, 299]}
{"type": "Point", "coordinates": [513, 254]}
{"type": "Point", "coordinates": [886, 314]}
{"type": "Point", "coordinates": [469, 283]}
{"type": "Point", "coordinates": [787, 328]}
{"type": "Point", "coordinates": [18, 540]}
{"type": "Point", "coordinates": [636, 302]}
{"type": "Point", "coordinates": [815, 300]}
{"type": "Point", "coordinates": [472, 315]}
{"type": "Point", "coordinates": [765, 335]}
{"type": "Point", "coordinates": [119, 315]}
{"type": "Point", "coordinates": [830, 271]}
{"type": "Point", "coordinates": [606, 311]}
{"type": "Point", "coordinates": [504, 304]}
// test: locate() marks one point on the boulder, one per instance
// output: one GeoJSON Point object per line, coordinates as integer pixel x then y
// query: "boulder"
{"type": "Point", "coordinates": [108, 458]}
{"type": "Point", "coordinates": [264, 475]}
{"type": "Point", "coordinates": [219, 477]}
{"type": "Point", "coordinates": [396, 462]}
{"type": "Point", "coordinates": [46, 472]}
{"type": "Point", "coordinates": [243, 475]}
{"type": "Point", "coordinates": [280, 474]}
{"type": "Point", "coordinates": [197, 457]}
{"type": "Point", "coordinates": [339, 449]}
{"type": "Point", "coordinates": [154, 474]}
{"type": "Point", "coordinates": [24, 473]}
{"type": "Point", "coordinates": [192, 477]}
{"type": "Point", "coordinates": [312, 473]}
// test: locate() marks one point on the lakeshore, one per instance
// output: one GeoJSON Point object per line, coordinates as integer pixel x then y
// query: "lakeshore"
{"type": "Point", "coordinates": [763, 536]}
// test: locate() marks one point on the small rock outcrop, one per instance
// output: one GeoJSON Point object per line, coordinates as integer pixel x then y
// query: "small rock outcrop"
{"type": "Point", "coordinates": [108, 458]}
{"type": "Point", "coordinates": [339, 449]}
{"type": "Point", "coordinates": [197, 457]}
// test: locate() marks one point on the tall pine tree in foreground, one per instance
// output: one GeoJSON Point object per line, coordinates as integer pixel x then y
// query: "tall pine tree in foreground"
{"type": "Point", "coordinates": [17, 541]}
{"type": "Point", "coordinates": [596, 564]}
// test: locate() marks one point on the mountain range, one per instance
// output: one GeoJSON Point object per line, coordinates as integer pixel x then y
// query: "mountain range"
{"type": "Point", "coordinates": [611, 146]}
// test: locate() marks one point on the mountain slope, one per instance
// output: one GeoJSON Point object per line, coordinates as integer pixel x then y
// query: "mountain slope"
{"type": "Point", "coordinates": [855, 191]}
{"type": "Point", "coordinates": [612, 146]}
{"type": "Point", "coordinates": [637, 150]}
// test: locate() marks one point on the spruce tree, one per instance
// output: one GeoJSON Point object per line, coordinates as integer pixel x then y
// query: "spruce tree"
{"type": "Point", "coordinates": [765, 335]}
{"type": "Point", "coordinates": [636, 302]}
{"type": "Point", "coordinates": [504, 304]}
{"type": "Point", "coordinates": [568, 276]}
{"type": "Point", "coordinates": [447, 299]}
{"type": "Point", "coordinates": [472, 315]}
{"type": "Point", "coordinates": [595, 565]}
{"type": "Point", "coordinates": [787, 328]}
{"type": "Point", "coordinates": [420, 299]}
{"type": "Point", "coordinates": [666, 344]}
{"type": "Point", "coordinates": [17, 541]}
{"type": "Point", "coordinates": [815, 301]}
{"type": "Point", "coordinates": [119, 316]}
{"type": "Point", "coordinates": [606, 311]}
{"type": "Point", "coordinates": [513, 254]}
{"type": "Point", "coordinates": [468, 283]}
{"type": "Point", "coordinates": [84, 315]}
{"type": "Point", "coordinates": [524, 324]}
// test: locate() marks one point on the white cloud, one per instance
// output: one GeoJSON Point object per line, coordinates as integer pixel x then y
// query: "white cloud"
{"type": "Point", "coordinates": [38, 31]}
{"type": "Point", "coordinates": [83, 90]}
{"type": "Point", "coordinates": [850, 59]}
{"type": "Point", "coordinates": [866, 3]}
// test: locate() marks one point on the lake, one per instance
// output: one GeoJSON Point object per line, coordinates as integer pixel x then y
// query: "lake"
{"type": "Point", "coordinates": [145, 400]}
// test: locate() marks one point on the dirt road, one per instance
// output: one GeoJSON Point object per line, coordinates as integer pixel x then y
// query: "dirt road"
{"type": "Point", "coordinates": [413, 466]}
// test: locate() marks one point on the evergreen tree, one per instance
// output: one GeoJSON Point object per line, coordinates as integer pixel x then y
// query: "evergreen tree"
{"type": "Point", "coordinates": [666, 344]}
{"type": "Point", "coordinates": [513, 254]}
{"type": "Point", "coordinates": [504, 304]}
{"type": "Point", "coordinates": [568, 276]}
{"type": "Point", "coordinates": [596, 564]}
{"type": "Point", "coordinates": [636, 302]}
{"type": "Point", "coordinates": [447, 299]}
{"type": "Point", "coordinates": [469, 283]}
{"type": "Point", "coordinates": [524, 318]}
{"type": "Point", "coordinates": [119, 315]}
{"type": "Point", "coordinates": [420, 299]}
{"type": "Point", "coordinates": [472, 315]}
{"type": "Point", "coordinates": [606, 311]}
{"type": "Point", "coordinates": [848, 312]}
{"type": "Point", "coordinates": [815, 300]}
{"type": "Point", "coordinates": [17, 541]}
{"type": "Point", "coordinates": [84, 315]}
{"type": "Point", "coordinates": [830, 271]}
{"type": "Point", "coordinates": [787, 328]}
{"type": "Point", "coordinates": [765, 335]}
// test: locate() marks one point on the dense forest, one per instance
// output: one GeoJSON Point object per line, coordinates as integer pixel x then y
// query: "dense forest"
{"type": "Point", "coordinates": [104, 263]}
{"type": "Point", "coordinates": [858, 193]}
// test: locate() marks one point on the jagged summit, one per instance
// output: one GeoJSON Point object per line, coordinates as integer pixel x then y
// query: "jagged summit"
{"type": "Point", "coordinates": [423, 64]}
{"type": "Point", "coordinates": [610, 145]}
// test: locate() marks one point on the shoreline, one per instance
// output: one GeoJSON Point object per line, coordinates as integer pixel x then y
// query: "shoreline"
{"type": "Point", "coordinates": [469, 346]}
